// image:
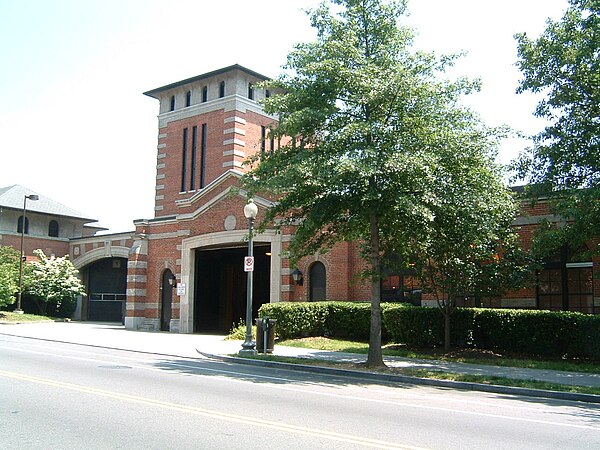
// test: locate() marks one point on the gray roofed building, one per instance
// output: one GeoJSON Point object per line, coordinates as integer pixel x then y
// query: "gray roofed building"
{"type": "Point", "coordinates": [12, 197]}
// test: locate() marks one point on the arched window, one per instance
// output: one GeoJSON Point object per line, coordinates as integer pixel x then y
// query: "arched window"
{"type": "Point", "coordinates": [20, 225]}
{"type": "Point", "coordinates": [188, 98]}
{"type": "Point", "coordinates": [317, 279]}
{"type": "Point", "coordinates": [53, 228]}
{"type": "Point", "coordinates": [250, 91]}
{"type": "Point", "coordinates": [222, 89]}
{"type": "Point", "coordinates": [172, 103]}
{"type": "Point", "coordinates": [204, 94]}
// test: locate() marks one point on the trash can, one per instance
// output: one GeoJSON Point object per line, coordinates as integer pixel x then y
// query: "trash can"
{"type": "Point", "coordinates": [265, 326]}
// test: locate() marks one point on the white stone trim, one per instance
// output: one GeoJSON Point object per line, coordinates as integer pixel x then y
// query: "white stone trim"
{"type": "Point", "coordinates": [235, 142]}
{"type": "Point", "coordinates": [137, 278]}
{"type": "Point", "coordinates": [137, 264]}
{"type": "Point", "coordinates": [160, 176]}
{"type": "Point", "coordinates": [98, 253]}
{"type": "Point", "coordinates": [136, 293]}
{"type": "Point", "coordinates": [235, 119]}
{"type": "Point", "coordinates": [233, 164]}
{"type": "Point", "coordinates": [239, 131]}
{"type": "Point", "coordinates": [234, 153]}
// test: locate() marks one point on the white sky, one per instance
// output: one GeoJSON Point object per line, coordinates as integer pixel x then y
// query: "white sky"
{"type": "Point", "coordinates": [75, 127]}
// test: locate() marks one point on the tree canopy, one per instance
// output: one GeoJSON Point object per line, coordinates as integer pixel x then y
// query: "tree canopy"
{"type": "Point", "coordinates": [373, 138]}
{"type": "Point", "coordinates": [563, 64]}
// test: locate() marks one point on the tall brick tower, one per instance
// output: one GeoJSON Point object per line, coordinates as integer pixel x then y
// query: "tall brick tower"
{"type": "Point", "coordinates": [185, 269]}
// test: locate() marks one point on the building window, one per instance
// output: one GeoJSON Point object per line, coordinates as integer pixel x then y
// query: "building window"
{"type": "Point", "coordinates": [188, 98]}
{"type": "Point", "coordinates": [53, 228]}
{"type": "Point", "coordinates": [250, 91]}
{"type": "Point", "coordinates": [204, 94]}
{"type": "Point", "coordinates": [271, 144]}
{"type": "Point", "coordinates": [184, 159]}
{"type": "Point", "coordinates": [317, 282]}
{"type": "Point", "coordinates": [20, 225]}
{"type": "Point", "coordinates": [263, 138]}
{"type": "Point", "coordinates": [222, 89]}
{"type": "Point", "coordinates": [202, 154]}
{"type": "Point", "coordinates": [193, 158]}
{"type": "Point", "coordinates": [267, 93]}
{"type": "Point", "coordinates": [172, 103]}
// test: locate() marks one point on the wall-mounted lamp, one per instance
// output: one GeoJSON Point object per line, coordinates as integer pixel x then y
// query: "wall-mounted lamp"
{"type": "Point", "coordinates": [173, 281]}
{"type": "Point", "coordinates": [298, 277]}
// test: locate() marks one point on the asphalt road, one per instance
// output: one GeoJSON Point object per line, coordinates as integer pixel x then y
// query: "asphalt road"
{"type": "Point", "coordinates": [69, 396]}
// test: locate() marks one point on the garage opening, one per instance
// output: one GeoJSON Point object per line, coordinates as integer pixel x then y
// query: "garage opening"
{"type": "Point", "coordinates": [220, 287]}
{"type": "Point", "coordinates": [107, 287]}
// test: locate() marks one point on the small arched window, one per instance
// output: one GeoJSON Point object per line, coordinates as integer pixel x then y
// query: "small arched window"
{"type": "Point", "coordinates": [53, 228]}
{"type": "Point", "coordinates": [222, 89]}
{"type": "Point", "coordinates": [204, 94]}
{"type": "Point", "coordinates": [317, 279]}
{"type": "Point", "coordinates": [172, 103]}
{"type": "Point", "coordinates": [188, 98]}
{"type": "Point", "coordinates": [20, 225]}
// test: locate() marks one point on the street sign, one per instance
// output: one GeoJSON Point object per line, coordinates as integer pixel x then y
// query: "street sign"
{"type": "Point", "coordinates": [180, 289]}
{"type": "Point", "coordinates": [248, 263]}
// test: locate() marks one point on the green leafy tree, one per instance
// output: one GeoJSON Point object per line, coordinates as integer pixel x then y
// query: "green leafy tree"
{"type": "Point", "coordinates": [9, 275]}
{"type": "Point", "coordinates": [366, 126]}
{"type": "Point", "coordinates": [54, 284]}
{"type": "Point", "coordinates": [563, 63]}
{"type": "Point", "coordinates": [469, 248]}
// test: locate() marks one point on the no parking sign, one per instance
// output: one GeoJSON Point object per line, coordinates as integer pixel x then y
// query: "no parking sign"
{"type": "Point", "coordinates": [248, 263]}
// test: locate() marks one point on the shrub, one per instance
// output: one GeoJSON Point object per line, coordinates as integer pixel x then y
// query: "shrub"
{"type": "Point", "coordinates": [297, 319]}
{"type": "Point", "coordinates": [348, 320]}
{"type": "Point", "coordinates": [533, 332]}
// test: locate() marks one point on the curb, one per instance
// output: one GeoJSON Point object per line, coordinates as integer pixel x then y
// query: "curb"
{"type": "Point", "coordinates": [394, 378]}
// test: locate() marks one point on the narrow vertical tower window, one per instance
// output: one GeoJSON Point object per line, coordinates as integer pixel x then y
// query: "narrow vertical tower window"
{"type": "Point", "coordinates": [184, 160]}
{"type": "Point", "coordinates": [202, 155]}
{"type": "Point", "coordinates": [193, 158]}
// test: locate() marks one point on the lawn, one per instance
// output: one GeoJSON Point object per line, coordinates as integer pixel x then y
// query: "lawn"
{"type": "Point", "coordinates": [472, 356]}
{"type": "Point", "coordinates": [11, 317]}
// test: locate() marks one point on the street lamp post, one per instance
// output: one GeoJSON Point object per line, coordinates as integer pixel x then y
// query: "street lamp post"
{"type": "Point", "coordinates": [250, 211]}
{"type": "Point", "coordinates": [32, 197]}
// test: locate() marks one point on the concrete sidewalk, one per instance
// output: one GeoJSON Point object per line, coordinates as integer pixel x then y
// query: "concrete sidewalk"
{"type": "Point", "coordinates": [193, 345]}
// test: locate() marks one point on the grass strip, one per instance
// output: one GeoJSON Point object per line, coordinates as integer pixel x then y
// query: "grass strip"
{"type": "Point", "coordinates": [488, 358]}
{"type": "Point", "coordinates": [11, 317]}
{"type": "Point", "coordinates": [433, 374]}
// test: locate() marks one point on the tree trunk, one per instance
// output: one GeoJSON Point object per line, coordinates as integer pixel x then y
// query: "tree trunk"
{"type": "Point", "coordinates": [375, 357]}
{"type": "Point", "coordinates": [447, 312]}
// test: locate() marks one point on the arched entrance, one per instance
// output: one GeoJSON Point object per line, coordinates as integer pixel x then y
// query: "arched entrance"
{"type": "Point", "coordinates": [317, 282]}
{"type": "Point", "coordinates": [220, 289]}
{"type": "Point", "coordinates": [166, 300]}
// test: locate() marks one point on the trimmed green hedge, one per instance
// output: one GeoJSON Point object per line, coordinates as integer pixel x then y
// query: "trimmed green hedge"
{"type": "Point", "coordinates": [534, 332]}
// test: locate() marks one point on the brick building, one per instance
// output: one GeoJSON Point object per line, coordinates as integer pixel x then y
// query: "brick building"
{"type": "Point", "coordinates": [59, 230]}
{"type": "Point", "coordinates": [185, 268]}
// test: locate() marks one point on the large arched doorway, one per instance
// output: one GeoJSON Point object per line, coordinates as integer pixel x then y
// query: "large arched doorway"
{"type": "Point", "coordinates": [220, 287]}
{"type": "Point", "coordinates": [166, 300]}
{"type": "Point", "coordinates": [317, 282]}
{"type": "Point", "coordinates": [106, 289]}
